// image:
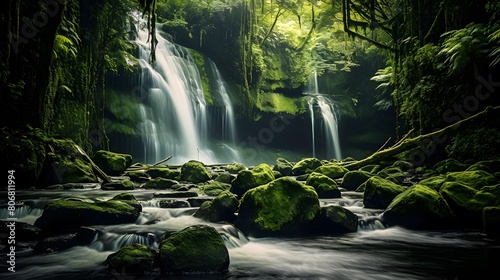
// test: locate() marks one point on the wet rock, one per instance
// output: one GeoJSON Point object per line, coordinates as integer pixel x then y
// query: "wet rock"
{"type": "Point", "coordinates": [55, 244]}
{"type": "Point", "coordinates": [225, 177]}
{"type": "Point", "coordinates": [197, 249]}
{"type": "Point", "coordinates": [324, 185]}
{"type": "Point", "coordinates": [353, 179]}
{"type": "Point", "coordinates": [117, 186]}
{"type": "Point", "coordinates": [196, 202]}
{"type": "Point", "coordinates": [379, 192]}
{"type": "Point", "coordinates": [306, 166]}
{"type": "Point", "coordinates": [283, 166]}
{"type": "Point", "coordinates": [420, 208]}
{"type": "Point", "coordinates": [112, 163]}
{"type": "Point", "coordinates": [163, 172]}
{"type": "Point", "coordinates": [160, 183]}
{"type": "Point", "coordinates": [283, 207]}
{"type": "Point", "coordinates": [234, 168]}
{"type": "Point", "coordinates": [213, 188]}
{"type": "Point", "coordinates": [333, 171]}
{"type": "Point", "coordinates": [221, 208]}
{"type": "Point", "coordinates": [174, 204]}
{"type": "Point", "coordinates": [248, 179]}
{"type": "Point", "coordinates": [194, 171]}
{"type": "Point", "coordinates": [132, 260]}
{"type": "Point", "coordinates": [335, 220]}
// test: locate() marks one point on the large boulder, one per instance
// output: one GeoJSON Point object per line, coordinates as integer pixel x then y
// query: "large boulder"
{"type": "Point", "coordinates": [353, 179]}
{"type": "Point", "coordinates": [335, 220]}
{"type": "Point", "coordinates": [112, 163]}
{"type": "Point", "coordinates": [306, 166]}
{"type": "Point", "coordinates": [420, 208]}
{"type": "Point", "coordinates": [449, 165]}
{"type": "Point", "coordinates": [331, 170]}
{"type": "Point", "coordinates": [67, 215]}
{"type": "Point", "coordinates": [194, 171]}
{"type": "Point", "coordinates": [197, 249]}
{"type": "Point", "coordinates": [380, 192]}
{"type": "Point", "coordinates": [221, 208]}
{"type": "Point", "coordinates": [475, 179]}
{"type": "Point", "coordinates": [433, 182]}
{"type": "Point", "coordinates": [283, 207]}
{"type": "Point", "coordinates": [163, 172]}
{"type": "Point", "coordinates": [324, 185]}
{"type": "Point", "coordinates": [468, 203]}
{"type": "Point", "coordinates": [132, 260]}
{"type": "Point", "coordinates": [248, 179]}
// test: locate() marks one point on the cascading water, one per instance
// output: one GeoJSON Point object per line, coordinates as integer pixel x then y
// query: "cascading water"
{"type": "Point", "coordinates": [329, 116]}
{"type": "Point", "coordinates": [174, 118]}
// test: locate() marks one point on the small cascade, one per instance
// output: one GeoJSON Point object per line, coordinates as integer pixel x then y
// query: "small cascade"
{"type": "Point", "coordinates": [108, 241]}
{"type": "Point", "coordinates": [327, 113]}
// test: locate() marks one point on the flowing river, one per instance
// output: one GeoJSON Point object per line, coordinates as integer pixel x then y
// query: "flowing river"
{"type": "Point", "coordinates": [374, 252]}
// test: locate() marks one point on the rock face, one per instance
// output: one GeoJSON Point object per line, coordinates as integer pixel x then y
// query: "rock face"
{"type": "Point", "coordinates": [67, 215]}
{"type": "Point", "coordinates": [420, 207]}
{"type": "Point", "coordinates": [283, 207]}
{"type": "Point", "coordinates": [112, 163]}
{"type": "Point", "coordinates": [196, 249]}
{"type": "Point", "coordinates": [380, 192]}
{"type": "Point", "coordinates": [136, 260]}
{"type": "Point", "coordinates": [194, 171]}
{"type": "Point", "coordinates": [248, 179]}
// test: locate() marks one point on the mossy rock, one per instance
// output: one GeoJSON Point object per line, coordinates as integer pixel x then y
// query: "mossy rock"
{"type": "Point", "coordinates": [194, 171]}
{"type": "Point", "coordinates": [120, 185]}
{"type": "Point", "coordinates": [70, 214]}
{"type": "Point", "coordinates": [449, 165]}
{"type": "Point", "coordinates": [213, 188]}
{"type": "Point", "coordinates": [283, 207]}
{"type": "Point", "coordinates": [66, 165]}
{"type": "Point", "coordinates": [283, 166]}
{"type": "Point", "coordinates": [380, 192]}
{"type": "Point", "coordinates": [112, 163]}
{"type": "Point", "coordinates": [371, 168]}
{"type": "Point", "coordinates": [403, 165]}
{"type": "Point", "coordinates": [306, 166]}
{"type": "Point", "coordinates": [197, 249]}
{"type": "Point", "coordinates": [420, 208]}
{"type": "Point", "coordinates": [434, 182]}
{"type": "Point", "coordinates": [132, 260]}
{"type": "Point", "coordinates": [476, 179]}
{"type": "Point", "coordinates": [333, 171]}
{"type": "Point", "coordinates": [248, 179]}
{"type": "Point", "coordinates": [125, 197]}
{"type": "Point", "coordinates": [163, 172]}
{"type": "Point", "coordinates": [388, 171]}
{"type": "Point", "coordinates": [490, 166]}
{"type": "Point", "coordinates": [234, 168]}
{"type": "Point", "coordinates": [468, 203]}
{"type": "Point", "coordinates": [353, 179]}
{"type": "Point", "coordinates": [225, 177]}
{"type": "Point", "coordinates": [491, 221]}
{"type": "Point", "coordinates": [335, 220]}
{"type": "Point", "coordinates": [324, 185]}
{"type": "Point", "coordinates": [138, 176]}
{"type": "Point", "coordinates": [160, 183]}
{"type": "Point", "coordinates": [221, 208]}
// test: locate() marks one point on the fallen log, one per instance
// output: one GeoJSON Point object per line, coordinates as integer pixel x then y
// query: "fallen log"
{"type": "Point", "coordinates": [105, 178]}
{"type": "Point", "coordinates": [411, 143]}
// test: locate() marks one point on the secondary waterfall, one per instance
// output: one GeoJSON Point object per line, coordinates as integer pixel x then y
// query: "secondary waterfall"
{"type": "Point", "coordinates": [174, 117]}
{"type": "Point", "coordinates": [328, 114]}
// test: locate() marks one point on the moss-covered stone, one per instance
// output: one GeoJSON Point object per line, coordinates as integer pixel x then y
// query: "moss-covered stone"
{"type": "Point", "coordinates": [194, 171]}
{"type": "Point", "coordinates": [225, 177]}
{"type": "Point", "coordinates": [234, 168]}
{"type": "Point", "coordinates": [403, 165]}
{"type": "Point", "coordinates": [353, 179]}
{"type": "Point", "coordinates": [120, 185]}
{"type": "Point", "coordinates": [306, 166]}
{"type": "Point", "coordinates": [324, 185]}
{"type": "Point", "coordinates": [125, 197]}
{"type": "Point", "coordinates": [491, 221]}
{"type": "Point", "coordinates": [248, 179]}
{"type": "Point", "coordinates": [333, 171]}
{"type": "Point", "coordinates": [490, 166]}
{"type": "Point", "coordinates": [420, 207]}
{"type": "Point", "coordinates": [112, 163]}
{"type": "Point", "coordinates": [159, 183]}
{"type": "Point", "coordinates": [196, 249]}
{"type": "Point", "coordinates": [221, 208]}
{"type": "Point", "coordinates": [70, 214]}
{"type": "Point", "coordinates": [476, 179]}
{"type": "Point", "coordinates": [434, 182]}
{"type": "Point", "coordinates": [138, 176]}
{"type": "Point", "coordinates": [468, 203]}
{"type": "Point", "coordinates": [380, 192]}
{"type": "Point", "coordinates": [371, 168]}
{"type": "Point", "coordinates": [283, 166]}
{"type": "Point", "coordinates": [281, 207]}
{"type": "Point", "coordinates": [335, 220]}
{"type": "Point", "coordinates": [213, 188]}
{"type": "Point", "coordinates": [163, 172]}
{"type": "Point", "coordinates": [449, 165]}
{"type": "Point", "coordinates": [132, 260]}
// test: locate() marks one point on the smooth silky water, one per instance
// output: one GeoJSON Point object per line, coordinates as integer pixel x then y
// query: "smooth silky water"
{"type": "Point", "coordinates": [374, 252]}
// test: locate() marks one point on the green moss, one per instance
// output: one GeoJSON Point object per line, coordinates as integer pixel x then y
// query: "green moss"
{"type": "Point", "coordinates": [234, 168]}
{"type": "Point", "coordinates": [125, 196]}
{"type": "Point", "coordinates": [194, 171]}
{"type": "Point", "coordinates": [475, 179]}
{"type": "Point", "coordinates": [213, 188]}
{"type": "Point", "coordinates": [110, 206]}
{"type": "Point", "coordinates": [353, 179]}
{"type": "Point", "coordinates": [449, 165]}
{"type": "Point", "coordinates": [248, 179]}
{"type": "Point", "coordinates": [163, 172]}
{"type": "Point", "coordinates": [112, 163]}
{"type": "Point", "coordinates": [136, 259]}
{"type": "Point", "coordinates": [306, 166]}
{"type": "Point", "coordinates": [121, 112]}
{"type": "Point", "coordinates": [380, 192]}
{"type": "Point", "coordinates": [333, 171]}
{"type": "Point", "coordinates": [324, 185]}
{"type": "Point", "coordinates": [201, 63]}
{"type": "Point", "coordinates": [279, 103]}
{"type": "Point", "coordinates": [159, 183]}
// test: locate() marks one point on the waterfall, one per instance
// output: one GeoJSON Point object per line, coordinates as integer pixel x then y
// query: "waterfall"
{"type": "Point", "coordinates": [174, 119]}
{"type": "Point", "coordinates": [327, 112]}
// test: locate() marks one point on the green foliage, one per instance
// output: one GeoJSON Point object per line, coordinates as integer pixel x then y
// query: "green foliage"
{"type": "Point", "coordinates": [481, 143]}
{"type": "Point", "coordinates": [122, 112]}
